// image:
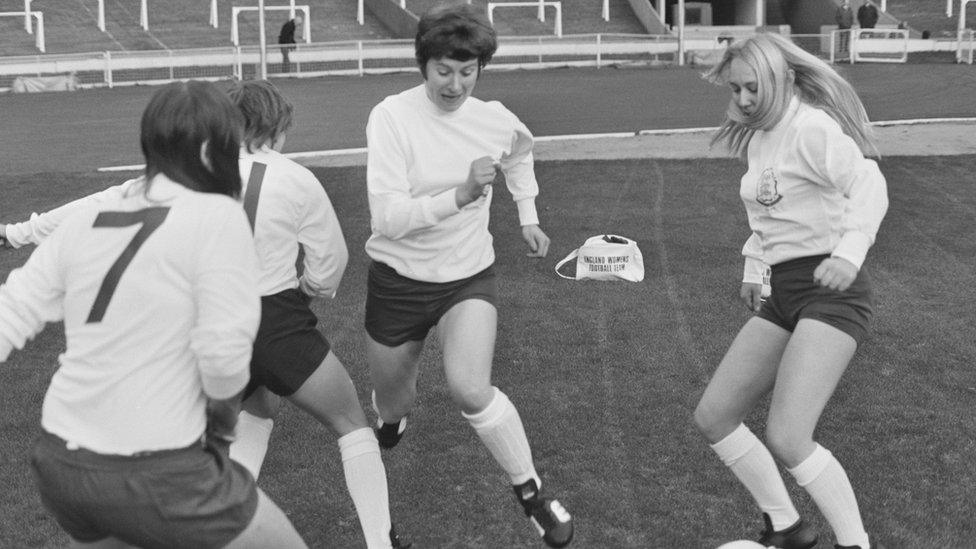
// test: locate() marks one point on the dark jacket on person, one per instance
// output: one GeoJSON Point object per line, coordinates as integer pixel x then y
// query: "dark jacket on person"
{"type": "Point", "coordinates": [287, 34]}
{"type": "Point", "coordinates": [867, 16]}
{"type": "Point", "coordinates": [844, 17]}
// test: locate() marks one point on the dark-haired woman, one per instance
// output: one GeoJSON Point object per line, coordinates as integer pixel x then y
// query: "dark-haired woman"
{"type": "Point", "coordinates": [287, 208]}
{"type": "Point", "coordinates": [434, 151]}
{"type": "Point", "coordinates": [157, 288]}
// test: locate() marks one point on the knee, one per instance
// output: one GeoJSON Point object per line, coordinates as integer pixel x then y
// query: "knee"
{"type": "Point", "coordinates": [712, 423]}
{"type": "Point", "coordinates": [785, 443]}
{"type": "Point", "coordinates": [702, 418]}
{"type": "Point", "coordinates": [263, 404]}
{"type": "Point", "coordinates": [472, 400]}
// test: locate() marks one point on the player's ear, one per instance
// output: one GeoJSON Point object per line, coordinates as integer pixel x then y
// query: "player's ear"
{"type": "Point", "coordinates": [205, 155]}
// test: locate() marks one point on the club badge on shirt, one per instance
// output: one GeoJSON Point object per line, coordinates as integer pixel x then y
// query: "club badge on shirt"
{"type": "Point", "coordinates": [767, 188]}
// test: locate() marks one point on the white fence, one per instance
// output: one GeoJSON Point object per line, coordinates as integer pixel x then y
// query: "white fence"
{"type": "Point", "coordinates": [351, 57]}
{"type": "Point", "coordinates": [966, 44]}
{"type": "Point", "coordinates": [363, 57]}
{"type": "Point", "coordinates": [879, 45]}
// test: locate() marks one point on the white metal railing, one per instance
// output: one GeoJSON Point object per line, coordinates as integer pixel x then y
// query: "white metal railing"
{"type": "Point", "coordinates": [880, 45]}
{"type": "Point", "coordinates": [235, 34]}
{"type": "Point", "coordinates": [542, 5]}
{"type": "Point", "coordinates": [27, 14]}
{"type": "Point", "coordinates": [97, 69]}
{"type": "Point", "coordinates": [965, 43]}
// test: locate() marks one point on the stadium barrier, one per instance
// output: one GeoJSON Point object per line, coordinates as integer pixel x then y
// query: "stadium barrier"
{"type": "Point", "coordinates": [965, 44]}
{"type": "Point", "coordinates": [879, 45]}
{"type": "Point", "coordinates": [39, 16]}
{"type": "Point", "coordinates": [101, 69]}
{"type": "Point", "coordinates": [558, 6]}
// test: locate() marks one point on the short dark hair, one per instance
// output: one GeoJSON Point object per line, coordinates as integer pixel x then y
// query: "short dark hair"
{"type": "Point", "coordinates": [455, 31]}
{"type": "Point", "coordinates": [179, 119]}
{"type": "Point", "coordinates": [267, 114]}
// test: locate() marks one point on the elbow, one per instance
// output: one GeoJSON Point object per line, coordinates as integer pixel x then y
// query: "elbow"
{"type": "Point", "coordinates": [387, 229]}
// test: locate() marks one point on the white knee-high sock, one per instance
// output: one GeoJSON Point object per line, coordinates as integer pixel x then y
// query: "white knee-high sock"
{"type": "Point", "coordinates": [366, 482]}
{"type": "Point", "coordinates": [251, 444]}
{"type": "Point", "coordinates": [825, 480]}
{"type": "Point", "coordinates": [750, 461]}
{"type": "Point", "coordinates": [500, 429]}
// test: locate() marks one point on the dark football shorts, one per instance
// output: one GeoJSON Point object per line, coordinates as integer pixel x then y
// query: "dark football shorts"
{"type": "Point", "coordinates": [193, 497]}
{"type": "Point", "coordinates": [288, 348]}
{"type": "Point", "coordinates": [796, 295]}
{"type": "Point", "coordinates": [400, 309]}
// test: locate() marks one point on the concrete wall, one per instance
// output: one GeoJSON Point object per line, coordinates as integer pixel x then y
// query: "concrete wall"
{"type": "Point", "coordinates": [401, 23]}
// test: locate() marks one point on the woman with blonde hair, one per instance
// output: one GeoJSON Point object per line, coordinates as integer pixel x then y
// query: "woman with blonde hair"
{"type": "Point", "coordinates": [814, 203]}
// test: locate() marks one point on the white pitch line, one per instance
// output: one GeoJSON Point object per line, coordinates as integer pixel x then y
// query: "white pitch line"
{"type": "Point", "coordinates": [584, 136]}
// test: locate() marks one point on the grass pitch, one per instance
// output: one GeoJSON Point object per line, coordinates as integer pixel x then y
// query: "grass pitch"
{"type": "Point", "coordinates": [605, 375]}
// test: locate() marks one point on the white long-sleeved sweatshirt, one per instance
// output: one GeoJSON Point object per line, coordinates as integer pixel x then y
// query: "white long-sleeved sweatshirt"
{"type": "Point", "coordinates": [808, 191]}
{"type": "Point", "coordinates": [292, 208]}
{"type": "Point", "coordinates": [160, 307]}
{"type": "Point", "coordinates": [417, 156]}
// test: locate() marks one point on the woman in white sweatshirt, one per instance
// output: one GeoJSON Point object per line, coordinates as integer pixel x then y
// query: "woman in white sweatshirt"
{"type": "Point", "coordinates": [288, 209]}
{"type": "Point", "coordinates": [158, 290]}
{"type": "Point", "coordinates": [433, 153]}
{"type": "Point", "coordinates": [815, 204]}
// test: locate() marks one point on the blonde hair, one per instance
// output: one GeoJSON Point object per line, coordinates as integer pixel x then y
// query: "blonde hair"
{"type": "Point", "coordinates": [782, 69]}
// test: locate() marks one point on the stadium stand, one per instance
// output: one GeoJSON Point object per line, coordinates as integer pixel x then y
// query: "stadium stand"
{"type": "Point", "coordinates": [72, 27]}
{"type": "Point", "coordinates": [925, 16]}
{"type": "Point", "coordinates": [579, 17]}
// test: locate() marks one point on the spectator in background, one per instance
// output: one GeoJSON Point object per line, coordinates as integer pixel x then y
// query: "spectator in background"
{"type": "Point", "coordinates": [845, 20]}
{"type": "Point", "coordinates": [286, 38]}
{"type": "Point", "coordinates": [867, 15]}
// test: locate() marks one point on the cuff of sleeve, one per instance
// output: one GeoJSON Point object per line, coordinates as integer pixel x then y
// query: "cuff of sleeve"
{"type": "Point", "coordinates": [853, 247]}
{"type": "Point", "coordinates": [15, 235]}
{"type": "Point", "coordinates": [223, 387]}
{"type": "Point", "coordinates": [311, 290]}
{"type": "Point", "coordinates": [527, 212]}
{"type": "Point", "coordinates": [444, 205]}
{"type": "Point", "coordinates": [5, 349]}
{"type": "Point", "coordinates": [753, 271]}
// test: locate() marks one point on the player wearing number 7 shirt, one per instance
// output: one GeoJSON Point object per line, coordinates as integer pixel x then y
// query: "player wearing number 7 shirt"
{"type": "Point", "coordinates": [287, 208]}
{"type": "Point", "coordinates": [157, 289]}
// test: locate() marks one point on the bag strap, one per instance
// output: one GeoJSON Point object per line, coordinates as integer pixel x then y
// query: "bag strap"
{"type": "Point", "coordinates": [572, 255]}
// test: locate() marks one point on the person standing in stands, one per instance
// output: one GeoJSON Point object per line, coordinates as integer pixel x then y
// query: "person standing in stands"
{"type": "Point", "coordinates": [286, 38]}
{"type": "Point", "coordinates": [844, 17]}
{"type": "Point", "coordinates": [867, 15]}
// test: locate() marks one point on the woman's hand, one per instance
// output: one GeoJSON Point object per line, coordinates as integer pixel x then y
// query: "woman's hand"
{"type": "Point", "coordinates": [835, 273]}
{"type": "Point", "coordinates": [536, 239]}
{"type": "Point", "coordinates": [482, 174]}
{"type": "Point", "coordinates": [751, 295]}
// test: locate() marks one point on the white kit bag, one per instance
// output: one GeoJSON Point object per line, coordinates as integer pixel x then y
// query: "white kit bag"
{"type": "Point", "coordinates": [606, 257]}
